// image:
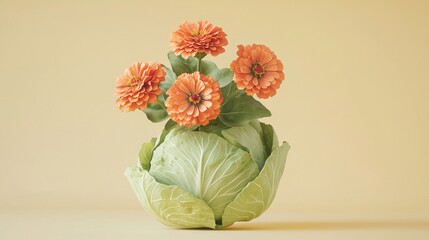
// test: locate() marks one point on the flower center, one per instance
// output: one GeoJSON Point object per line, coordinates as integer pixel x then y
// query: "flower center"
{"type": "Point", "coordinates": [134, 81]}
{"type": "Point", "coordinates": [194, 98]}
{"type": "Point", "coordinates": [196, 32]}
{"type": "Point", "coordinates": [258, 70]}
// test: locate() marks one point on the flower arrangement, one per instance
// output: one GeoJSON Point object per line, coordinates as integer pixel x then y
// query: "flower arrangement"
{"type": "Point", "coordinates": [214, 163]}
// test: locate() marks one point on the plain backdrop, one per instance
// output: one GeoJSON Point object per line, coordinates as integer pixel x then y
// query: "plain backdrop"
{"type": "Point", "coordinates": [354, 105]}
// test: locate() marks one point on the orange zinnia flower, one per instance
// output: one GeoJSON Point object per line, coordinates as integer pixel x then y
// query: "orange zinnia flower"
{"type": "Point", "coordinates": [202, 37]}
{"type": "Point", "coordinates": [194, 99]}
{"type": "Point", "coordinates": [139, 85]}
{"type": "Point", "coordinates": [257, 70]}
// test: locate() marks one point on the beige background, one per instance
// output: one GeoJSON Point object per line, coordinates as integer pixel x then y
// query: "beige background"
{"type": "Point", "coordinates": [354, 106]}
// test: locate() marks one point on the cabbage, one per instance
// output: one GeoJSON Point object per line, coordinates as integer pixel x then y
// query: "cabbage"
{"type": "Point", "coordinates": [199, 178]}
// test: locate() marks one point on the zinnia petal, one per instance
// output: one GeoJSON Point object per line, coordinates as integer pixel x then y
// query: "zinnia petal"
{"type": "Point", "coordinates": [196, 107]}
{"type": "Point", "coordinates": [201, 36]}
{"type": "Point", "coordinates": [139, 85]}
{"type": "Point", "coordinates": [257, 70]}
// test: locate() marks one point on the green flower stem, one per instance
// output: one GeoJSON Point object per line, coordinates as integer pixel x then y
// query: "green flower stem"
{"type": "Point", "coordinates": [199, 65]}
{"type": "Point", "coordinates": [200, 56]}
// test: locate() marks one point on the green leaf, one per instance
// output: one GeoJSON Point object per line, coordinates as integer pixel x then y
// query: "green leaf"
{"type": "Point", "coordinates": [223, 76]}
{"type": "Point", "coordinates": [180, 65]}
{"type": "Point", "coordinates": [170, 204]}
{"type": "Point", "coordinates": [239, 109]}
{"type": "Point", "coordinates": [190, 65]}
{"type": "Point", "coordinates": [169, 80]}
{"type": "Point", "coordinates": [145, 154]}
{"type": "Point", "coordinates": [215, 126]}
{"type": "Point", "coordinates": [205, 165]}
{"type": "Point", "coordinates": [156, 112]}
{"type": "Point", "coordinates": [208, 68]}
{"type": "Point", "coordinates": [248, 139]}
{"type": "Point", "coordinates": [257, 196]}
{"type": "Point", "coordinates": [229, 91]}
{"type": "Point", "coordinates": [170, 124]}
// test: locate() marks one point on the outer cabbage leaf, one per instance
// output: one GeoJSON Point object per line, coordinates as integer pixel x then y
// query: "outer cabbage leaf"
{"type": "Point", "coordinates": [257, 196]}
{"type": "Point", "coordinates": [170, 204]}
{"type": "Point", "coordinates": [248, 139]}
{"type": "Point", "coordinates": [270, 137]}
{"type": "Point", "coordinates": [145, 154]}
{"type": "Point", "coordinates": [205, 165]}
{"type": "Point", "coordinates": [257, 126]}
